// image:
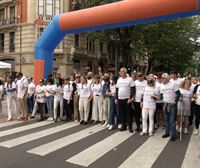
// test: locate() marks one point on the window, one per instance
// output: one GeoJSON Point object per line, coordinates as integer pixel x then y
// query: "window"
{"type": "Point", "coordinates": [41, 7]}
{"type": "Point", "coordinates": [76, 40]}
{"type": "Point", "coordinates": [1, 16]}
{"type": "Point", "coordinates": [90, 44]}
{"type": "Point", "coordinates": [57, 7]}
{"type": "Point", "coordinates": [49, 7]}
{"type": "Point", "coordinates": [101, 46]}
{"type": "Point", "coordinates": [40, 31]}
{"type": "Point", "coordinates": [12, 41]}
{"type": "Point", "coordinates": [1, 43]}
{"type": "Point", "coordinates": [12, 14]}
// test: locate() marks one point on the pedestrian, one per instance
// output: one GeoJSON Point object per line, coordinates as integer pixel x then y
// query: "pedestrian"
{"type": "Point", "coordinates": [76, 99]}
{"type": "Point", "coordinates": [97, 94]}
{"type": "Point", "coordinates": [184, 106]}
{"type": "Point", "coordinates": [67, 99]}
{"type": "Point", "coordinates": [125, 92]}
{"type": "Point", "coordinates": [49, 98]}
{"type": "Point", "coordinates": [1, 94]}
{"type": "Point", "coordinates": [140, 84]}
{"type": "Point", "coordinates": [170, 94]}
{"type": "Point", "coordinates": [148, 105]}
{"type": "Point", "coordinates": [31, 93]}
{"type": "Point", "coordinates": [40, 98]}
{"type": "Point", "coordinates": [58, 98]}
{"type": "Point", "coordinates": [11, 97]}
{"type": "Point", "coordinates": [84, 100]}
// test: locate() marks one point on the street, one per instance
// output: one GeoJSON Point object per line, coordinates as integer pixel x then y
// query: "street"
{"type": "Point", "coordinates": [57, 145]}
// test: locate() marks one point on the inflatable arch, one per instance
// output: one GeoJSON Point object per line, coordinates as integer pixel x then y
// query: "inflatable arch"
{"type": "Point", "coordinates": [118, 14]}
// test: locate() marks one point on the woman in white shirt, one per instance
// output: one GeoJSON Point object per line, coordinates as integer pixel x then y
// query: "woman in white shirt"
{"type": "Point", "coordinates": [49, 98]}
{"type": "Point", "coordinates": [58, 98]}
{"type": "Point", "coordinates": [184, 105]}
{"type": "Point", "coordinates": [10, 88]}
{"type": "Point", "coordinates": [67, 99]}
{"type": "Point", "coordinates": [1, 94]}
{"type": "Point", "coordinates": [84, 91]}
{"type": "Point", "coordinates": [150, 95]}
{"type": "Point", "coordinates": [97, 107]}
{"type": "Point", "coordinates": [40, 98]}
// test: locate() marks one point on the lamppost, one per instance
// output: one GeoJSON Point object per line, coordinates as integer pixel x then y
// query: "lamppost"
{"type": "Point", "coordinates": [20, 36]}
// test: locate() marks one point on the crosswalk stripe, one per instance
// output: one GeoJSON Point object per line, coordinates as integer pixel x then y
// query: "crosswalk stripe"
{"type": "Point", "coordinates": [36, 135]}
{"type": "Point", "coordinates": [147, 154]}
{"type": "Point", "coordinates": [192, 156]}
{"type": "Point", "coordinates": [24, 128]}
{"type": "Point", "coordinates": [5, 124]}
{"type": "Point", "coordinates": [88, 156]}
{"type": "Point", "coordinates": [67, 140]}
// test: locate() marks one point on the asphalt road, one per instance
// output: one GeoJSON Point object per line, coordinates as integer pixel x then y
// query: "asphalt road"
{"type": "Point", "coordinates": [34, 144]}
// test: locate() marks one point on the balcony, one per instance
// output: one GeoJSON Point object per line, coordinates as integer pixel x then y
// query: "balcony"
{"type": "Point", "coordinates": [8, 21]}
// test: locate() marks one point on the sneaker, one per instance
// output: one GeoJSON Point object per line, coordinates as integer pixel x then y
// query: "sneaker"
{"type": "Point", "coordinates": [51, 119]}
{"type": "Point", "coordinates": [165, 135]}
{"type": "Point", "coordinates": [110, 127]}
{"type": "Point", "coordinates": [173, 138]}
{"type": "Point", "coordinates": [32, 117]}
{"type": "Point", "coordinates": [105, 124]}
{"type": "Point", "coordinates": [195, 131]}
{"type": "Point", "coordinates": [150, 134]}
{"type": "Point", "coordinates": [186, 130]}
{"type": "Point", "coordinates": [137, 129]}
{"type": "Point", "coordinates": [48, 119]}
{"type": "Point", "coordinates": [142, 133]}
{"type": "Point", "coordinates": [9, 119]}
{"type": "Point", "coordinates": [119, 126]}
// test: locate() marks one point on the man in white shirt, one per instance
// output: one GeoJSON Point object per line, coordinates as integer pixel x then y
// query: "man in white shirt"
{"type": "Point", "coordinates": [22, 88]}
{"type": "Point", "coordinates": [170, 93]}
{"type": "Point", "coordinates": [125, 91]}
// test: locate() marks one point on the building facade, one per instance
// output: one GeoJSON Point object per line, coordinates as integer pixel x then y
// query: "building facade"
{"type": "Point", "coordinates": [21, 24]}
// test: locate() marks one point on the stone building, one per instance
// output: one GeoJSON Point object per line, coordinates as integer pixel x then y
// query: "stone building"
{"type": "Point", "coordinates": [23, 21]}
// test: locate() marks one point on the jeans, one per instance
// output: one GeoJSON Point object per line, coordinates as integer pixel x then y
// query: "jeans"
{"type": "Point", "coordinates": [30, 103]}
{"type": "Point", "coordinates": [113, 111]}
{"type": "Point", "coordinates": [50, 102]}
{"type": "Point", "coordinates": [170, 118]}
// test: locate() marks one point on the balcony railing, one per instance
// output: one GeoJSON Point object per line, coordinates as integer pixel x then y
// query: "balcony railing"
{"type": "Point", "coordinates": [8, 21]}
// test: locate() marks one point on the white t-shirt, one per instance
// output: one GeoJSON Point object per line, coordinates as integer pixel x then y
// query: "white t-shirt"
{"type": "Point", "coordinates": [1, 91]}
{"type": "Point", "coordinates": [185, 95]}
{"type": "Point", "coordinates": [48, 89]}
{"type": "Point", "coordinates": [40, 93]}
{"type": "Point", "coordinates": [10, 89]}
{"type": "Point", "coordinates": [84, 90]}
{"type": "Point", "coordinates": [58, 95]}
{"type": "Point", "coordinates": [22, 86]}
{"type": "Point", "coordinates": [148, 101]}
{"type": "Point", "coordinates": [97, 89]}
{"type": "Point", "coordinates": [31, 88]}
{"type": "Point", "coordinates": [113, 89]}
{"type": "Point", "coordinates": [124, 87]}
{"type": "Point", "coordinates": [177, 82]}
{"type": "Point", "coordinates": [139, 86]}
{"type": "Point", "coordinates": [67, 91]}
{"type": "Point", "coordinates": [193, 86]}
{"type": "Point", "coordinates": [169, 92]}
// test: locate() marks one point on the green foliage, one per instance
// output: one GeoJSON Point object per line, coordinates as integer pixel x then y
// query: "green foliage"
{"type": "Point", "coordinates": [167, 45]}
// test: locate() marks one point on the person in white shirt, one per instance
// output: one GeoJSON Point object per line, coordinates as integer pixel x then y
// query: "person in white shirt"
{"type": "Point", "coordinates": [22, 89]}
{"type": "Point", "coordinates": [31, 93]}
{"type": "Point", "coordinates": [10, 88]}
{"type": "Point", "coordinates": [67, 99]}
{"type": "Point", "coordinates": [175, 78]}
{"type": "Point", "coordinates": [58, 98]}
{"type": "Point", "coordinates": [76, 99]}
{"type": "Point", "coordinates": [184, 105]}
{"type": "Point", "coordinates": [97, 107]}
{"type": "Point", "coordinates": [1, 94]}
{"type": "Point", "coordinates": [170, 94]}
{"type": "Point", "coordinates": [85, 93]}
{"type": "Point", "coordinates": [49, 98]}
{"type": "Point", "coordinates": [40, 98]}
{"type": "Point", "coordinates": [196, 97]}
{"type": "Point", "coordinates": [140, 84]}
{"type": "Point", "coordinates": [125, 92]}
{"type": "Point", "coordinates": [148, 104]}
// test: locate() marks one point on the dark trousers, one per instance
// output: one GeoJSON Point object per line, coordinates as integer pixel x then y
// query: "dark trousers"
{"type": "Point", "coordinates": [30, 104]}
{"type": "Point", "coordinates": [41, 109]}
{"type": "Point", "coordinates": [191, 117]}
{"type": "Point", "coordinates": [197, 115]}
{"type": "Point", "coordinates": [125, 116]}
{"type": "Point", "coordinates": [137, 113]}
{"type": "Point", "coordinates": [68, 109]}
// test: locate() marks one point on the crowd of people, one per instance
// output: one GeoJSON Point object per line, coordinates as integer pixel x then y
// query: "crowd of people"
{"type": "Point", "coordinates": [114, 101]}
